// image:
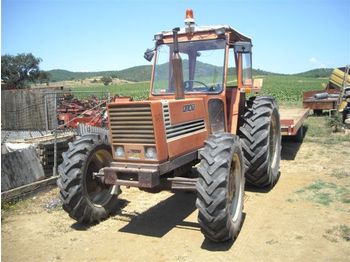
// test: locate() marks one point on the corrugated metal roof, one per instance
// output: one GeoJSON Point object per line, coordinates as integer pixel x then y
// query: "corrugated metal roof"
{"type": "Point", "coordinates": [235, 34]}
{"type": "Point", "coordinates": [25, 135]}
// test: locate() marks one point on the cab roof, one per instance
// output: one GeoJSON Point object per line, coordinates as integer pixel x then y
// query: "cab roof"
{"type": "Point", "coordinates": [235, 35]}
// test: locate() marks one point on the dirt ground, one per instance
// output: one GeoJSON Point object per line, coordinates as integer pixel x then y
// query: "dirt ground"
{"type": "Point", "coordinates": [305, 217]}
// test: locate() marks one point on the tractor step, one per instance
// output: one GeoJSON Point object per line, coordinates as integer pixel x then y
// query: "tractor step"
{"type": "Point", "coordinates": [183, 183]}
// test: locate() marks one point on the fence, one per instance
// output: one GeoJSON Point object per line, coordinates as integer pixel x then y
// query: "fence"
{"type": "Point", "coordinates": [27, 110]}
{"type": "Point", "coordinates": [40, 109]}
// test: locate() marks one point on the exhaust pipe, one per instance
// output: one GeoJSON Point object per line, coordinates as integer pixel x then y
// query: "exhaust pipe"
{"type": "Point", "coordinates": [176, 62]}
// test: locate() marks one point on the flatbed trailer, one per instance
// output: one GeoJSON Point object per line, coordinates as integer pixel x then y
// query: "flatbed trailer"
{"type": "Point", "coordinates": [292, 121]}
{"type": "Point", "coordinates": [318, 105]}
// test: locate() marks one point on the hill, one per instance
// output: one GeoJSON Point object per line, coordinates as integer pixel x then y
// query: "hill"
{"type": "Point", "coordinates": [62, 75]}
{"type": "Point", "coordinates": [143, 73]}
{"type": "Point", "coordinates": [316, 73]}
{"type": "Point", "coordinates": [135, 74]}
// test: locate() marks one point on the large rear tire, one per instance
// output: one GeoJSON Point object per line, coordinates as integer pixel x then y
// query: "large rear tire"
{"type": "Point", "coordinates": [85, 198]}
{"type": "Point", "coordinates": [261, 142]}
{"type": "Point", "coordinates": [220, 187]}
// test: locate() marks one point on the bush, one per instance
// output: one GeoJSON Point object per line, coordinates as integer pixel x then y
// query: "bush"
{"type": "Point", "coordinates": [106, 80]}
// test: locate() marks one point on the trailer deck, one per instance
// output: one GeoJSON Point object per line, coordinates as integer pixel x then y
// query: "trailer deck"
{"type": "Point", "coordinates": [292, 119]}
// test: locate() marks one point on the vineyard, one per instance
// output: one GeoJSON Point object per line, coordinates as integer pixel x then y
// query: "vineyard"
{"type": "Point", "coordinates": [286, 89]}
{"type": "Point", "coordinates": [138, 90]}
{"type": "Point", "coordinates": [290, 88]}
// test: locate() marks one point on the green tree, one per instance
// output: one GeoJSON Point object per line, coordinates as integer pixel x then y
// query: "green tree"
{"type": "Point", "coordinates": [44, 77]}
{"type": "Point", "coordinates": [106, 80]}
{"type": "Point", "coordinates": [20, 70]}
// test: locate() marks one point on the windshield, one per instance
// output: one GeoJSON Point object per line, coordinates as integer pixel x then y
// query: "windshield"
{"type": "Point", "coordinates": [202, 66]}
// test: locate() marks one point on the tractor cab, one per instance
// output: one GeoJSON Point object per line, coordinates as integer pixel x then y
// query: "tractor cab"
{"type": "Point", "coordinates": [215, 65]}
{"type": "Point", "coordinates": [209, 56]}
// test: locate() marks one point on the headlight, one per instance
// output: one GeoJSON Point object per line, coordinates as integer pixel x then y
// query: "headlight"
{"type": "Point", "coordinates": [150, 153]}
{"type": "Point", "coordinates": [119, 151]}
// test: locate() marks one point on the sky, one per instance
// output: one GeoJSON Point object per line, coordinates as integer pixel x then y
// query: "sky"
{"type": "Point", "coordinates": [289, 36]}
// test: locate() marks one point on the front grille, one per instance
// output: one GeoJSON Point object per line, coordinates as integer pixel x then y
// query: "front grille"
{"type": "Point", "coordinates": [180, 129]}
{"type": "Point", "coordinates": [131, 124]}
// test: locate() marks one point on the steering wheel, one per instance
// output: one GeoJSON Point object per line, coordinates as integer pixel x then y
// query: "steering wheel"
{"type": "Point", "coordinates": [187, 84]}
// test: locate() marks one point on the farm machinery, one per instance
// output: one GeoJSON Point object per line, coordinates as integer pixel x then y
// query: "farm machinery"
{"type": "Point", "coordinates": [333, 97]}
{"type": "Point", "coordinates": [72, 111]}
{"type": "Point", "coordinates": [198, 131]}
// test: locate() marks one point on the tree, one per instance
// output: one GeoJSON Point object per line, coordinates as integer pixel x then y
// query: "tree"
{"type": "Point", "coordinates": [44, 77]}
{"type": "Point", "coordinates": [20, 70]}
{"type": "Point", "coordinates": [106, 80]}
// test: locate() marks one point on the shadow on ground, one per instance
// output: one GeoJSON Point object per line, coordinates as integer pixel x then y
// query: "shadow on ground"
{"type": "Point", "coordinates": [82, 227]}
{"type": "Point", "coordinates": [163, 217]}
{"type": "Point", "coordinates": [255, 189]}
{"type": "Point", "coordinates": [289, 149]}
{"type": "Point", "coordinates": [160, 219]}
{"type": "Point", "coordinates": [291, 145]}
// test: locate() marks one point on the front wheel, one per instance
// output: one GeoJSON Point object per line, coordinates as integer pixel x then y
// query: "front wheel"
{"type": "Point", "coordinates": [220, 187]}
{"type": "Point", "coordinates": [85, 198]}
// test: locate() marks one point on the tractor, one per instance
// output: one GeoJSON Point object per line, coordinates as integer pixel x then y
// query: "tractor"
{"type": "Point", "coordinates": [203, 128]}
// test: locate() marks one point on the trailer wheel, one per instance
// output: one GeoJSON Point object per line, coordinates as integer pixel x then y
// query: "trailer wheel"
{"type": "Point", "coordinates": [86, 199]}
{"type": "Point", "coordinates": [220, 187]}
{"type": "Point", "coordinates": [318, 112]}
{"type": "Point", "coordinates": [260, 134]}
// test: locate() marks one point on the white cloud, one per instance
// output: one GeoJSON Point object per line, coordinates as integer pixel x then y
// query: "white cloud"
{"type": "Point", "coordinates": [313, 60]}
{"type": "Point", "coordinates": [316, 63]}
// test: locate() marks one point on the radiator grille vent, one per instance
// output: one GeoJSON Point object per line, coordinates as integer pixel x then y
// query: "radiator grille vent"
{"type": "Point", "coordinates": [131, 124]}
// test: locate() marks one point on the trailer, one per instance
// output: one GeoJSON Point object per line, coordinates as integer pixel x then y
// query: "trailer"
{"type": "Point", "coordinates": [311, 101]}
{"type": "Point", "coordinates": [292, 122]}
{"type": "Point", "coordinates": [328, 99]}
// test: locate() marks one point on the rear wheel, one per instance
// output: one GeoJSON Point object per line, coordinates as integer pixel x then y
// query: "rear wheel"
{"type": "Point", "coordinates": [220, 187]}
{"type": "Point", "coordinates": [261, 142]}
{"type": "Point", "coordinates": [85, 198]}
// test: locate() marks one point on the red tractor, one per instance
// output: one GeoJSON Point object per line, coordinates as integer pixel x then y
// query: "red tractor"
{"type": "Point", "coordinates": [197, 115]}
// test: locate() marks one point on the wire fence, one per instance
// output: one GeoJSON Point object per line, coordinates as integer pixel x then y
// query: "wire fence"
{"type": "Point", "coordinates": [44, 111]}
{"type": "Point", "coordinates": [25, 110]}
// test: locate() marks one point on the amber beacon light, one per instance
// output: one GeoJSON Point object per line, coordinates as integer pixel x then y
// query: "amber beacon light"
{"type": "Point", "coordinates": [189, 21]}
{"type": "Point", "coordinates": [189, 16]}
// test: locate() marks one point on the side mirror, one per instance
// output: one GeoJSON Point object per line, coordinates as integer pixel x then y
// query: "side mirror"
{"type": "Point", "coordinates": [149, 54]}
{"type": "Point", "coordinates": [242, 47]}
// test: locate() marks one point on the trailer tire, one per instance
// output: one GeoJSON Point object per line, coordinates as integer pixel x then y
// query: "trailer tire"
{"type": "Point", "coordinates": [220, 187]}
{"type": "Point", "coordinates": [260, 134]}
{"type": "Point", "coordinates": [318, 112]}
{"type": "Point", "coordinates": [86, 199]}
